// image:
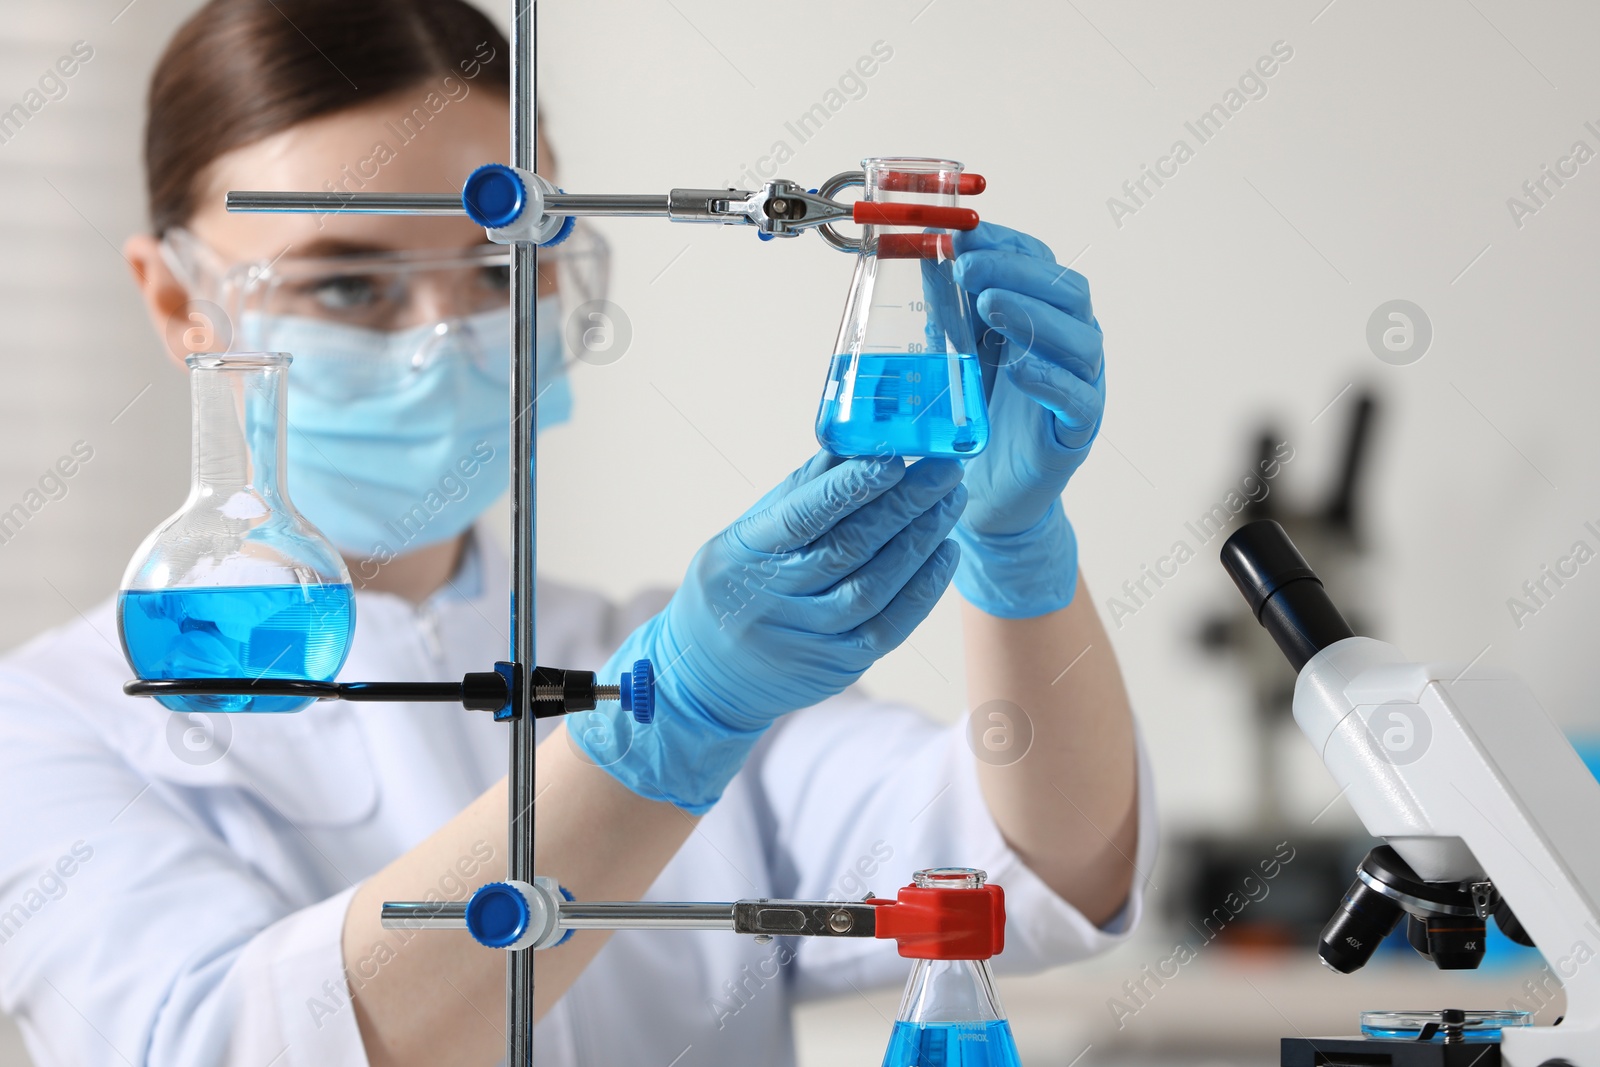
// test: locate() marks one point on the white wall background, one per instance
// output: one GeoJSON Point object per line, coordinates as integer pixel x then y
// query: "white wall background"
{"type": "Point", "coordinates": [1377, 166]}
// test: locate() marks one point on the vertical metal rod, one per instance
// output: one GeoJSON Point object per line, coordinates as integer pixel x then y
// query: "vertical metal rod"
{"type": "Point", "coordinates": [524, 423]}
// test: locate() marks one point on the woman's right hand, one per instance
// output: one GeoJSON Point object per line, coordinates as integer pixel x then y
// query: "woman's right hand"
{"type": "Point", "coordinates": [787, 606]}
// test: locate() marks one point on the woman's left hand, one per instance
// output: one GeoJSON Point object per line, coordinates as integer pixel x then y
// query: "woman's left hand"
{"type": "Point", "coordinates": [1042, 351]}
{"type": "Point", "coordinates": [1044, 370]}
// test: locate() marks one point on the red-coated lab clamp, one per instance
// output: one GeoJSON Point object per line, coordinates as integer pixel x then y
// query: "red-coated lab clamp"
{"type": "Point", "coordinates": [934, 923]}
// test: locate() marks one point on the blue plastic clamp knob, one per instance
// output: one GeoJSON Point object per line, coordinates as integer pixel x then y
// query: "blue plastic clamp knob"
{"type": "Point", "coordinates": [639, 692]}
{"type": "Point", "coordinates": [498, 915]}
{"type": "Point", "coordinates": [494, 196]}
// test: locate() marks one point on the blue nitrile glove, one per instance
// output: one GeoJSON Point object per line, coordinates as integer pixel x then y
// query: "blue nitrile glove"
{"type": "Point", "coordinates": [1044, 371]}
{"type": "Point", "coordinates": [786, 607]}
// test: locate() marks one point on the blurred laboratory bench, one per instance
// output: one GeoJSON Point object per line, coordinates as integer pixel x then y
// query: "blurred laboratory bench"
{"type": "Point", "coordinates": [1220, 1010]}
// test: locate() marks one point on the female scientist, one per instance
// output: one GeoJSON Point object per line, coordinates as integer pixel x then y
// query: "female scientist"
{"type": "Point", "coordinates": [167, 901]}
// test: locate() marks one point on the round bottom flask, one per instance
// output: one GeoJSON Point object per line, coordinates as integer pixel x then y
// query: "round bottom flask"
{"type": "Point", "coordinates": [237, 584]}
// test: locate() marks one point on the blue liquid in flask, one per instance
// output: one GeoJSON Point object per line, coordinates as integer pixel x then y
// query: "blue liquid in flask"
{"type": "Point", "coordinates": [904, 405]}
{"type": "Point", "coordinates": [247, 631]}
{"type": "Point", "coordinates": [975, 1044]}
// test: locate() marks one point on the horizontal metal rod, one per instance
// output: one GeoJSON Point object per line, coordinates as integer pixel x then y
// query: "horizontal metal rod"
{"type": "Point", "coordinates": [575, 915]}
{"type": "Point", "coordinates": [644, 915]}
{"type": "Point", "coordinates": [614, 205]}
{"type": "Point", "coordinates": [618, 206]}
{"type": "Point", "coordinates": [420, 915]}
{"type": "Point", "coordinates": [347, 203]}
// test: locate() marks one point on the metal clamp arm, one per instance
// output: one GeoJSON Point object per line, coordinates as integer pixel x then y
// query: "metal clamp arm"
{"type": "Point", "coordinates": [805, 918]}
{"type": "Point", "coordinates": [781, 207]}
{"type": "Point", "coordinates": [927, 923]}
{"type": "Point", "coordinates": [517, 206]}
{"type": "Point", "coordinates": [763, 918]}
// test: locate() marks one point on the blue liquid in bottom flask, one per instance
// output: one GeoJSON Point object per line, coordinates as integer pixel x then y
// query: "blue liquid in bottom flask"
{"type": "Point", "coordinates": [904, 405]}
{"type": "Point", "coordinates": [248, 631]}
{"type": "Point", "coordinates": [974, 1044]}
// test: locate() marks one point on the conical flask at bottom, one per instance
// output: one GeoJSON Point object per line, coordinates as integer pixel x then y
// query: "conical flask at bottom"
{"type": "Point", "coordinates": [950, 1015]}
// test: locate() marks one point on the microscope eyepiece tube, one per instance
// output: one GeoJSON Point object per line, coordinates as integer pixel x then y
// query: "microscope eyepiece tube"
{"type": "Point", "coordinates": [1283, 592]}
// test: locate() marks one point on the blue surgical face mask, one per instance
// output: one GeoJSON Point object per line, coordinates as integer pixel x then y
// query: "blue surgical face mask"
{"type": "Point", "coordinates": [401, 439]}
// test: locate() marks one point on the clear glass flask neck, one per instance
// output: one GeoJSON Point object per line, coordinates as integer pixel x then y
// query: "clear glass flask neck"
{"type": "Point", "coordinates": [238, 423]}
{"type": "Point", "coordinates": [950, 991]}
{"type": "Point", "coordinates": [912, 180]}
{"type": "Point", "coordinates": [950, 878]}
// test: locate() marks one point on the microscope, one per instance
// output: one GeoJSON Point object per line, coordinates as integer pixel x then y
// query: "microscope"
{"type": "Point", "coordinates": [1483, 805]}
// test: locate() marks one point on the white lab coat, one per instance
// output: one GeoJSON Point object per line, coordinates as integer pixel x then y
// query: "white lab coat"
{"type": "Point", "coordinates": [165, 910]}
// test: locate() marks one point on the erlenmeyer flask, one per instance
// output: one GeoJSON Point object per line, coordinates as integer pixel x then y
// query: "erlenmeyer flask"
{"type": "Point", "coordinates": [236, 584]}
{"type": "Point", "coordinates": [950, 1015]}
{"type": "Point", "coordinates": [905, 378]}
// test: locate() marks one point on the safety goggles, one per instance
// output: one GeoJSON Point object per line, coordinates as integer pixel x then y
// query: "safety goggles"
{"type": "Point", "coordinates": [385, 291]}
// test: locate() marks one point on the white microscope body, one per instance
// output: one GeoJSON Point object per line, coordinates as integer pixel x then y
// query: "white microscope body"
{"type": "Point", "coordinates": [1458, 769]}
{"type": "Point", "coordinates": [1484, 788]}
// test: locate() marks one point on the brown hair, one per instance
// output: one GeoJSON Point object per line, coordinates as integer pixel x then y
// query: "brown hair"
{"type": "Point", "coordinates": [241, 70]}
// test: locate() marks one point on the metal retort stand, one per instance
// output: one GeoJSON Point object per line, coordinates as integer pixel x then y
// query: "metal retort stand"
{"type": "Point", "coordinates": [519, 208]}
